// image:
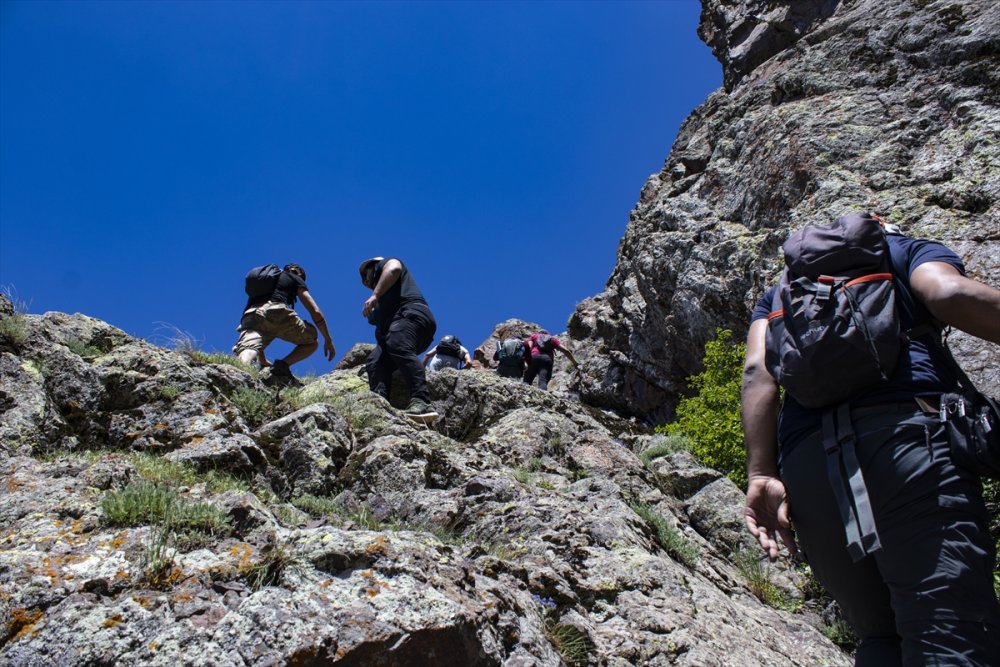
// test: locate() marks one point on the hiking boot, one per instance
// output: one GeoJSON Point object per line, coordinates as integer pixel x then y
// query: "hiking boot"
{"type": "Point", "coordinates": [420, 411]}
{"type": "Point", "coordinates": [279, 375]}
{"type": "Point", "coordinates": [279, 367]}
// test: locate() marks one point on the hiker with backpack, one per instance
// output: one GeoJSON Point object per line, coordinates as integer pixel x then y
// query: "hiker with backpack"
{"type": "Point", "coordinates": [542, 347]}
{"type": "Point", "coordinates": [449, 353]}
{"type": "Point", "coordinates": [404, 327]}
{"type": "Point", "coordinates": [269, 313]}
{"type": "Point", "coordinates": [865, 456]}
{"type": "Point", "coordinates": [511, 356]}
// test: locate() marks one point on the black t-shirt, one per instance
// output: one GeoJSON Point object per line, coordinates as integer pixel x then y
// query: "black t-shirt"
{"type": "Point", "coordinates": [404, 291]}
{"type": "Point", "coordinates": [285, 291]}
{"type": "Point", "coordinates": [922, 369]}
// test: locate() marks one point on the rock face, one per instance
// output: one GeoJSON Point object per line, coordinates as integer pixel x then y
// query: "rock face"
{"type": "Point", "coordinates": [828, 107]}
{"type": "Point", "coordinates": [159, 509]}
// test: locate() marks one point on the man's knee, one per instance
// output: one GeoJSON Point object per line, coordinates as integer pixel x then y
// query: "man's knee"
{"type": "Point", "coordinates": [248, 356]}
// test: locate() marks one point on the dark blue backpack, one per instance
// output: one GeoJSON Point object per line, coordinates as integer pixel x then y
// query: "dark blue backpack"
{"type": "Point", "coordinates": [834, 330]}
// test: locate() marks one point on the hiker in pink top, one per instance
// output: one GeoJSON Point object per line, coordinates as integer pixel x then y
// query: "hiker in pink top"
{"type": "Point", "coordinates": [542, 348]}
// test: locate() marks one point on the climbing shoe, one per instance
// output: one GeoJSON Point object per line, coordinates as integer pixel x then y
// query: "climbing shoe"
{"type": "Point", "coordinates": [279, 375]}
{"type": "Point", "coordinates": [420, 411]}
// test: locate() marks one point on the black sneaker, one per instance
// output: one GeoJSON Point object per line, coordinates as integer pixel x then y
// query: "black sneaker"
{"type": "Point", "coordinates": [279, 367]}
{"type": "Point", "coordinates": [420, 411]}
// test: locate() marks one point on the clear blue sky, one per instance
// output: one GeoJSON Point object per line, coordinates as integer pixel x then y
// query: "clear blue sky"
{"type": "Point", "coordinates": [152, 152]}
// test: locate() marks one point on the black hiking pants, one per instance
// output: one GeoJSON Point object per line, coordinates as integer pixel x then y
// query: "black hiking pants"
{"type": "Point", "coordinates": [926, 597]}
{"type": "Point", "coordinates": [398, 347]}
{"type": "Point", "coordinates": [540, 365]}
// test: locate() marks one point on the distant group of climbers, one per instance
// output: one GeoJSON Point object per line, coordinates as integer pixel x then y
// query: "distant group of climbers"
{"type": "Point", "coordinates": [404, 327]}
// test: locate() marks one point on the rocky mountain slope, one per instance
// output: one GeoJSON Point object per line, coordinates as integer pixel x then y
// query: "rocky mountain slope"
{"type": "Point", "coordinates": [828, 106]}
{"type": "Point", "coordinates": [160, 509]}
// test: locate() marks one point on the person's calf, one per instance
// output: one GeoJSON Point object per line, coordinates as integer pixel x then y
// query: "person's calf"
{"type": "Point", "coordinates": [301, 352]}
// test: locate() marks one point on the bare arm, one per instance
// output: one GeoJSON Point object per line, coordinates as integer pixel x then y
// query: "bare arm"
{"type": "Point", "coordinates": [766, 511]}
{"type": "Point", "coordinates": [568, 354]}
{"type": "Point", "coordinates": [964, 303]}
{"type": "Point", "coordinates": [427, 357]}
{"type": "Point", "coordinates": [390, 274]}
{"type": "Point", "coordinates": [317, 317]}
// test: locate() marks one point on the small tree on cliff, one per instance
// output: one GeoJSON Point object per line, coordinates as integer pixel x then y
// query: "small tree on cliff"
{"type": "Point", "coordinates": [711, 418]}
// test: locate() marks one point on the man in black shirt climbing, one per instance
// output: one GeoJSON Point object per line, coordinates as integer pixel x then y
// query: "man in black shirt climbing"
{"type": "Point", "coordinates": [404, 327]}
{"type": "Point", "coordinates": [271, 314]}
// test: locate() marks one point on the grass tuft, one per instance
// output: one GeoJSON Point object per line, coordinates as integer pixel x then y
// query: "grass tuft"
{"type": "Point", "coordinates": [145, 502]}
{"type": "Point", "coordinates": [83, 350]}
{"type": "Point", "coordinates": [758, 578]}
{"type": "Point", "coordinates": [671, 539]}
{"type": "Point", "coordinates": [256, 405]}
{"type": "Point", "coordinates": [170, 391]}
{"type": "Point", "coordinates": [318, 506]}
{"type": "Point", "coordinates": [666, 444]}
{"type": "Point", "coordinates": [572, 643]}
{"type": "Point", "coordinates": [841, 634]}
{"type": "Point", "coordinates": [13, 329]}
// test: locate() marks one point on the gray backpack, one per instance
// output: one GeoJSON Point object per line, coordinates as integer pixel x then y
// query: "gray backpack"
{"type": "Point", "coordinates": [833, 330]}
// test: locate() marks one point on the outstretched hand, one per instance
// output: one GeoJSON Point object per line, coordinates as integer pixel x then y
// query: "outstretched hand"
{"type": "Point", "coordinates": [329, 351]}
{"type": "Point", "coordinates": [766, 515]}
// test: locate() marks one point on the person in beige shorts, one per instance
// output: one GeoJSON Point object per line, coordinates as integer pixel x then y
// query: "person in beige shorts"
{"type": "Point", "coordinates": [273, 315]}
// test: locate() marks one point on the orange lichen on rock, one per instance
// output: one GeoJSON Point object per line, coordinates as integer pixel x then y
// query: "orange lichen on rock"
{"type": "Point", "coordinates": [113, 620]}
{"type": "Point", "coordinates": [23, 621]}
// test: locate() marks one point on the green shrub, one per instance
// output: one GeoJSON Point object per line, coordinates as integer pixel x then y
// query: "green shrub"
{"type": "Point", "coordinates": [711, 418]}
{"type": "Point", "coordinates": [671, 539]}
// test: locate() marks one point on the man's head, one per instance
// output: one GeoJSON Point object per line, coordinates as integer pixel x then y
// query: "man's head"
{"type": "Point", "coordinates": [296, 269]}
{"type": "Point", "coordinates": [367, 271]}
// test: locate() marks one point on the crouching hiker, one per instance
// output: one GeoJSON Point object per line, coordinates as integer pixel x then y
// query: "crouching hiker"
{"type": "Point", "coordinates": [511, 356]}
{"type": "Point", "coordinates": [858, 457]}
{"type": "Point", "coordinates": [270, 313]}
{"type": "Point", "coordinates": [542, 348]}
{"type": "Point", "coordinates": [404, 327]}
{"type": "Point", "coordinates": [449, 353]}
